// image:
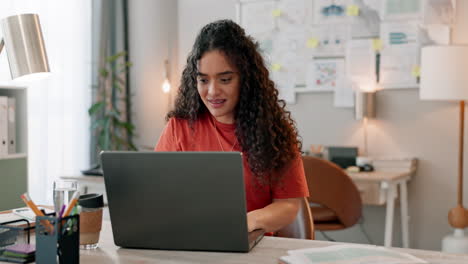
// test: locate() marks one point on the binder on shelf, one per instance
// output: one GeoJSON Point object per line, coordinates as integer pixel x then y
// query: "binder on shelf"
{"type": "Point", "coordinates": [11, 125]}
{"type": "Point", "coordinates": [3, 125]}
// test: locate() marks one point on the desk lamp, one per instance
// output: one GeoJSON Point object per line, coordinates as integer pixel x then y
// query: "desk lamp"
{"type": "Point", "coordinates": [364, 109]}
{"type": "Point", "coordinates": [444, 76]}
{"type": "Point", "coordinates": [22, 38]}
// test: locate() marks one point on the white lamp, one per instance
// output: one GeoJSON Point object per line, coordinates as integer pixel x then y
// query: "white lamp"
{"type": "Point", "coordinates": [444, 76]}
{"type": "Point", "coordinates": [22, 38]}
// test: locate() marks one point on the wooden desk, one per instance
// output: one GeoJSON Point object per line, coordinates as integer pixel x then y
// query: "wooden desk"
{"type": "Point", "coordinates": [387, 182]}
{"type": "Point", "coordinates": [267, 251]}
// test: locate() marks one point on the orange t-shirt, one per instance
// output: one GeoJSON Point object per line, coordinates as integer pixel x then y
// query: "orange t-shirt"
{"type": "Point", "coordinates": [211, 135]}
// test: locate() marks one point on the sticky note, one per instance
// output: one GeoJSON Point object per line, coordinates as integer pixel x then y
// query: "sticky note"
{"type": "Point", "coordinates": [377, 44]}
{"type": "Point", "coordinates": [276, 12]}
{"type": "Point", "coordinates": [416, 71]}
{"type": "Point", "coordinates": [352, 10]}
{"type": "Point", "coordinates": [312, 43]}
{"type": "Point", "coordinates": [276, 67]}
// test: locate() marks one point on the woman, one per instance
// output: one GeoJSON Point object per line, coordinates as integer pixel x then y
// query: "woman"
{"type": "Point", "coordinates": [227, 102]}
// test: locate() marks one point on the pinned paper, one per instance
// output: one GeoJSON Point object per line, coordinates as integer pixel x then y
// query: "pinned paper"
{"type": "Point", "coordinates": [276, 12]}
{"type": "Point", "coordinates": [352, 10]}
{"type": "Point", "coordinates": [276, 67]}
{"type": "Point", "coordinates": [312, 43]}
{"type": "Point", "coordinates": [416, 71]}
{"type": "Point", "coordinates": [377, 44]}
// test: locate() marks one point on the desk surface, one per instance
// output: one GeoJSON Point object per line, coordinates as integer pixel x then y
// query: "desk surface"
{"type": "Point", "coordinates": [267, 251]}
{"type": "Point", "coordinates": [380, 175]}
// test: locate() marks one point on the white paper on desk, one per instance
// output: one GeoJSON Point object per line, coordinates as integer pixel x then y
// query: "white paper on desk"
{"type": "Point", "coordinates": [396, 66]}
{"type": "Point", "coordinates": [256, 16]}
{"type": "Point", "coordinates": [325, 74]}
{"type": "Point", "coordinates": [347, 254]}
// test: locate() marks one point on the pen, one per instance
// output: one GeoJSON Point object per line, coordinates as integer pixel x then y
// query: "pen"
{"type": "Point", "coordinates": [61, 211]}
{"type": "Point", "coordinates": [72, 203]}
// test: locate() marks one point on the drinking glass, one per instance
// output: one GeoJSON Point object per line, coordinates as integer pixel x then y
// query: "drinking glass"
{"type": "Point", "coordinates": [63, 192]}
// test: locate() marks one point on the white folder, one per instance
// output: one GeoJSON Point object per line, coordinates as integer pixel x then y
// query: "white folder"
{"type": "Point", "coordinates": [3, 125]}
{"type": "Point", "coordinates": [11, 125]}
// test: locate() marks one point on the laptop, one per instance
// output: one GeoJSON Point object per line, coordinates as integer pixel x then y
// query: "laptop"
{"type": "Point", "coordinates": [178, 200]}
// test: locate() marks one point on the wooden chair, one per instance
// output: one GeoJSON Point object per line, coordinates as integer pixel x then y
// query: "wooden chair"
{"type": "Point", "coordinates": [334, 198]}
{"type": "Point", "coordinates": [303, 225]}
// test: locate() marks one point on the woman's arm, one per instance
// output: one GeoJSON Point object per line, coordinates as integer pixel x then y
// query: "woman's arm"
{"type": "Point", "coordinates": [275, 216]}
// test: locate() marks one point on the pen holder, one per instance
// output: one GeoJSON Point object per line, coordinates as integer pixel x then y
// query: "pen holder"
{"type": "Point", "coordinates": [57, 237]}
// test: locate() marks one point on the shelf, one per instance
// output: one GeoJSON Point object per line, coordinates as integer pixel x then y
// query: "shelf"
{"type": "Point", "coordinates": [13, 156]}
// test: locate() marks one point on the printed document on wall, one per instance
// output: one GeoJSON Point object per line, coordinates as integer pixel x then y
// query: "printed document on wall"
{"type": "Point", "coordinates": [331, 11]}
{"type": "Point", "coordinates": [285, 82]}
{"type": "Point", "coordinates": [325, 74]}
{"type": "Point", "coordinates": [402, 9]}
{"type": "Point", "coordinates": [331, 40]}
{"type": "Point", "coordinates": [293, 14]}
{"type": "Point", "coordinates": [344, 95]}
{"type": "Point", "coordinates": [397, 64]}
{"type": "Point", "coordinates": [256, 16]}
{"type": "Point", "coordinates": [360, 63]}
{"type": "Point", "coordinates": [399, 33]}
{"type": "Point", "coordinates": [289, 53]}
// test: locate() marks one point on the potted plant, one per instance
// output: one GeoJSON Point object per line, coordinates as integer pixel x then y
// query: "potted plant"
{"type": "Point", "coordinates": [110, 125]}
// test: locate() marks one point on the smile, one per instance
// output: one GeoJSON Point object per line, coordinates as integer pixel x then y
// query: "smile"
{"type": "Point", "coordinates": [217, 103]}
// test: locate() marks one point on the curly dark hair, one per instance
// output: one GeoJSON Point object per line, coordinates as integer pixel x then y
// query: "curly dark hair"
{"type": "Point", "coordinates": [265, 130]}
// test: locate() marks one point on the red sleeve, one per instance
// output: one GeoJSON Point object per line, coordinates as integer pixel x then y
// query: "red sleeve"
{"type": "Point", "coordinates": [168, 140]}
{"type": "Point", "coordinates": [293, 183]}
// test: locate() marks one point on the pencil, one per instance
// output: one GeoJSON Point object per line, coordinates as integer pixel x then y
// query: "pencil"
{"type": "Point", "coordinates": [27, 200]}
{"type": "Point", "coordinates": [72, 203]}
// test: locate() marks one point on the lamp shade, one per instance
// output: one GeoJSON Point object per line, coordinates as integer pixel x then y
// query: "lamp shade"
{"type": "Point", "coordinates": [364, 105]}
{"type": "Point", "coordinates": [444, 73]}
{"type": "Point", "coordinates": [24, 45]}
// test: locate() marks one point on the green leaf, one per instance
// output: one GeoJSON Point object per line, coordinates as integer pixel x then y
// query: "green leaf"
{"type": "Point", "coordinates": [96, 107]}
{"type": "Point", "coordinates": [114, 57]}
{"type": "Point", "coordinates": [103, 72]}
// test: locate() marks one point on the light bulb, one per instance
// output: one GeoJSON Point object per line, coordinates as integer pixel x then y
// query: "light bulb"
{"type": "Point", "coordinates": [166, 87]}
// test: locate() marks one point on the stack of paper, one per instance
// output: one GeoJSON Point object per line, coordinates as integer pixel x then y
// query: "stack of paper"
{"type": "Point", "coordinates": [19, 253]}
{"type": "Point", "coordinates": [348, 254]}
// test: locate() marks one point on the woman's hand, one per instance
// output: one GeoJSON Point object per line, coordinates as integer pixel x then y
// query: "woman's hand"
{"type": "Point", "coordinates": [275, 216]}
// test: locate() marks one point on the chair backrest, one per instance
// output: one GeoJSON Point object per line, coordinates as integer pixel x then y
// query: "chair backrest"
{"type": "Point", "coordinates": [331, 187]}
{"type": "Point", "coordinates": [302, 227]}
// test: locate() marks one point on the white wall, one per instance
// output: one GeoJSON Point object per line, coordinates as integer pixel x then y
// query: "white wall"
{"type": "Point", "coordinates": [152, 40]}
{"type": "Point", "coordinates": [405, 125]}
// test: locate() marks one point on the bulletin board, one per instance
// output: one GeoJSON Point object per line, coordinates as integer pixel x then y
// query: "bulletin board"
{"type": "Point", "coordinates": [341, 46]}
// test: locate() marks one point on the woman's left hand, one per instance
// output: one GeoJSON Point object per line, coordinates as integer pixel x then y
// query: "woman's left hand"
{"type": "Point", "coordinates": [275, 216]}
